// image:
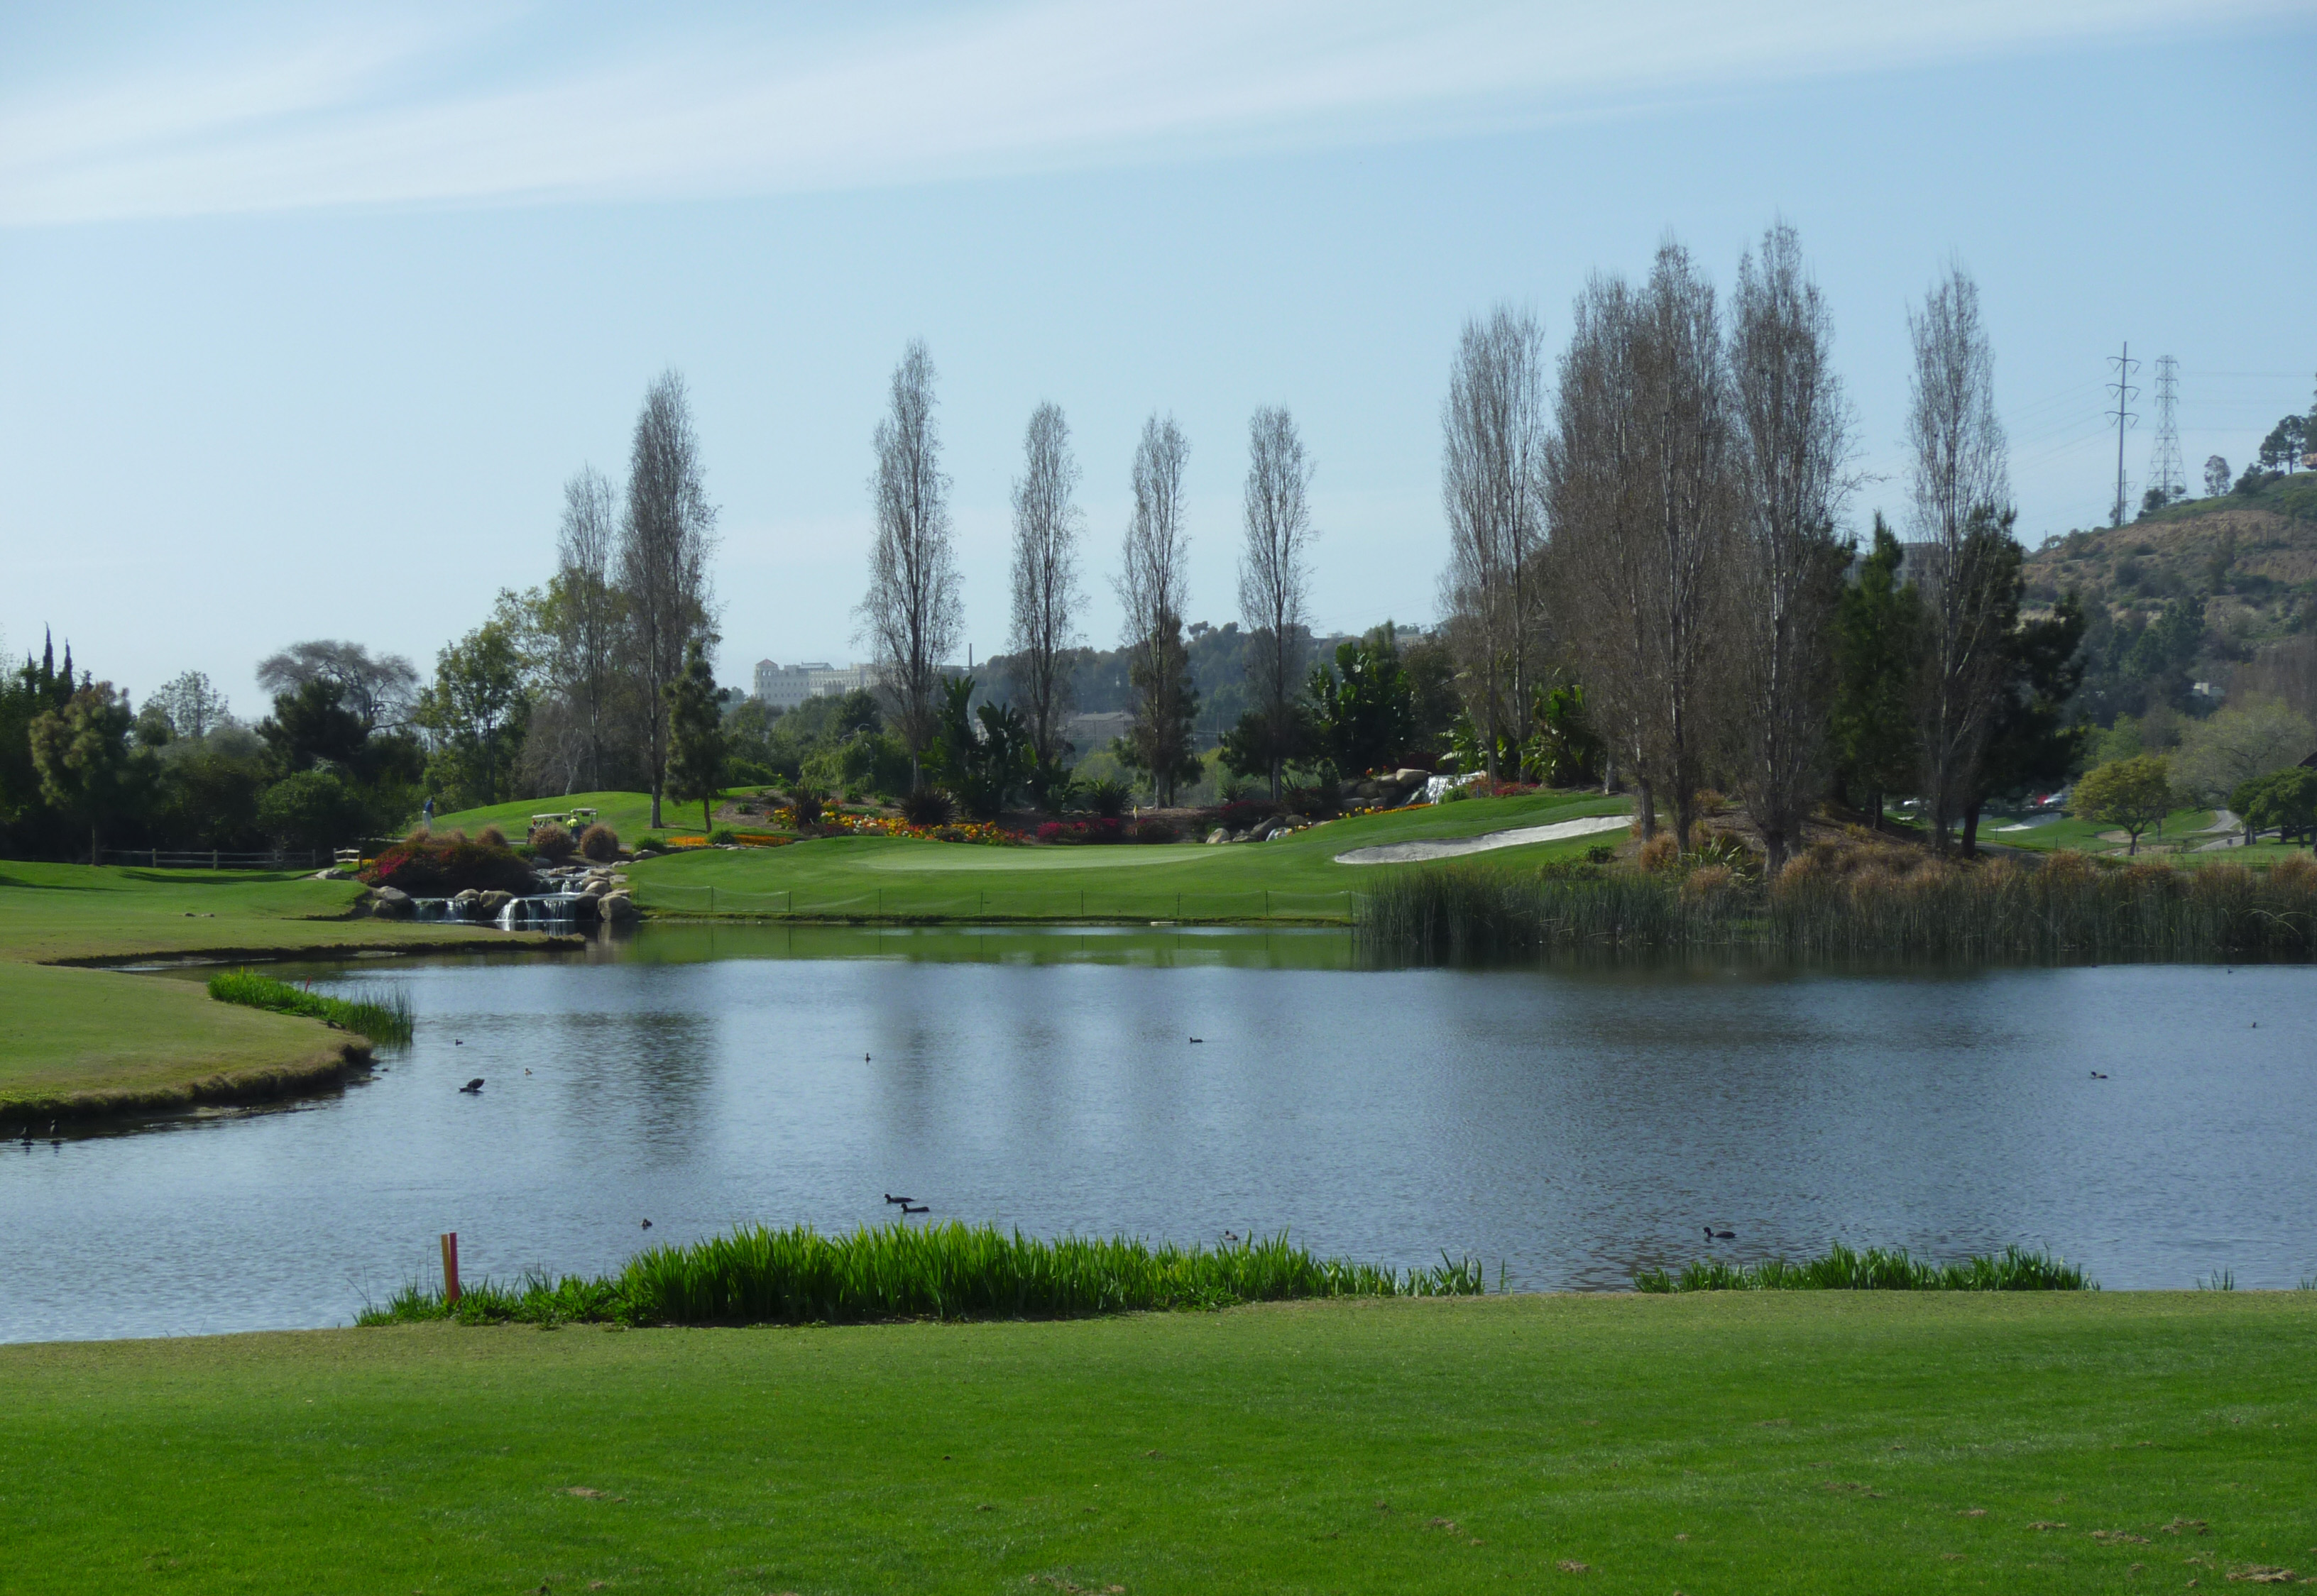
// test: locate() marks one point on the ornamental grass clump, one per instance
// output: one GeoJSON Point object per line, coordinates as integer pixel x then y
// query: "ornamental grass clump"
{"type": "Point", "coordinates": [599, 844]}
{"type": "Point", "coordinates": [1841, 1270]}
{"type": "Point", "coordinates": [757, 1275]}
{"type": "Point", "coordinates": [386, 1019]}
{"type": "Point", "coordinates": [1837, 900]}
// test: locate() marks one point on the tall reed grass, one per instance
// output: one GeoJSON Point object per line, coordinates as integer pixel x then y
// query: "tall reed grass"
{"type": "Point", "coordinates": [384, 1020]}
{"type": "Point", "coordinates": [757, 1275]}
{"type": "Point", "coordinates": [1874, 1270]}
{"type": "Point", "coordinates": [1876, 901]}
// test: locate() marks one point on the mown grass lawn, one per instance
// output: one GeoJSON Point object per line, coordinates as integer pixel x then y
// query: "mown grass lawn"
{"type": "Point", "coordinates": [1741, 1442]}
{"type": "Point", "coordinates": [626, 813]}
{"type": "Point", "coordinates": [2098, 836]}
{"type": "Point", "coordinates": [1296, 877]}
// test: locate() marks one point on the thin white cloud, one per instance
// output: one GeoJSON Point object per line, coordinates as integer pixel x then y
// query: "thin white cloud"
{"type": "Point", "coordinates": [396, 113]}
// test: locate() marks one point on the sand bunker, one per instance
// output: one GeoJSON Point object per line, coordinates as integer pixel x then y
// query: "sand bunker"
{"type": "Point", "coordinates": [1559, 830]}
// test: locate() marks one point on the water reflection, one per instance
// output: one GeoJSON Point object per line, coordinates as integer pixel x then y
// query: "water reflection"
{"type": "Point", "coordinates": [1573, 1124]}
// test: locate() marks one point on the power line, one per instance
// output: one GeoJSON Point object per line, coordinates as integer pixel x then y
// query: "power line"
{"type": "Point", "coordinates": [2165, 474]}
{"type": "Point", "coordinates": [2123, 414]}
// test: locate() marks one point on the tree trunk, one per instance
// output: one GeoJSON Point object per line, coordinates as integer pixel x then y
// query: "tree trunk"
{"type": "Point", "coordinates": [1773, 845]}
{"type": "Point", "coordinates": [707, 816]}
{"type": "Point", "coordinates": [1971, 830]}
{"type": "Point", "coordinates": [1645, 804]}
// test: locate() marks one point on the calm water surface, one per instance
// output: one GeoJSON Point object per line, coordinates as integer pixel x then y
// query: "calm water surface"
{"type": "Point", "coordinates": [1572, 1124]}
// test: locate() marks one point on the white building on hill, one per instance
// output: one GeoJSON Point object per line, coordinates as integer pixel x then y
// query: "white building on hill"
{"type": "Point", "coordinates": [784, 687]}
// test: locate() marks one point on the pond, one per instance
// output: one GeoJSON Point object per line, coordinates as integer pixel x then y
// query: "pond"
{"type": "Point", "coordinates": [1568, 1125]}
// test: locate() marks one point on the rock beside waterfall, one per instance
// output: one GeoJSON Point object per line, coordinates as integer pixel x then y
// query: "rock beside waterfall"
{"type": "Point", "coordinates": [616, 908]}
{"type": "Point", "coordinates": [389, 903]}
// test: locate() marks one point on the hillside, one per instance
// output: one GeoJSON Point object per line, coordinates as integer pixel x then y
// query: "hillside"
{"type": "Point", "coordinates": [2250, 559]}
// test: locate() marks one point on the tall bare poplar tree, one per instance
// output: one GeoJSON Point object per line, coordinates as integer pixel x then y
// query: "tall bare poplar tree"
{"type": "Point", "coordinates": [912, 614]}
{"type": "Point", "coordinates": [666, 539]}
{"type": "Point", "coordinates": [1150, 588]}
{"type": "Point", "coordinates": [1962, 489]}
{"type": "Point", "coordinates": [1491, 482]}
{"type": "Point", "coordinates": [588, 613]}
{"type": "Point", "coordinates": [1046, 526]}
{"type": "Point", "coordinates": [1595, 477]}
{"type": "Point", "coordinates": [1643, 503]}
{"type": "Point", "coordinates": [1272, 581]}
{"type": "Point", "coordinates": [1793, 443]}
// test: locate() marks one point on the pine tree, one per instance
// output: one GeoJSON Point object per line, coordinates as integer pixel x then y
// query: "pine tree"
{"type": "Point", "coordinates": [1878, 624]}
{"type": "Point", "coordinates": [696, 748]}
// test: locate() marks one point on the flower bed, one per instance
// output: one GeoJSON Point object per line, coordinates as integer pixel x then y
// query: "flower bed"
{"type": "Point", "coordinates": [837, 822]}
{"type": "Point", "coordinates": [429, 865]}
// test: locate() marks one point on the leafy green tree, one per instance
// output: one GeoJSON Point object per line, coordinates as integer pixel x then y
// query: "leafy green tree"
{"type": "Point", "coordinates": [1878, 636]}
{"type": "Point", "coordinates": [1159, 741]}
{"type": "Point", "coordinates": [1256, 740]}
{"type": "Point", "coordinates": [476, 710]}
{"type": "Point", "coordinates": [983, 755]}
{"type": "Point", "coordinates": [1364, 709]}
{"type": "Point", "coordinates": [1564, 751]}
{"type": "Point", "coordinates": [85, 765]}
{"type": "Point", "coordinates": [2133, 794]}
{"type": "Point", "coordinates": [695, 736]}
{"type": "Point", "coordinates": [311, 809]}
{"type": "Point", "coordinates": [311, 725]}
{"type": "Point", "coordinates": [2031, 741]}
{"type": "Point", "coordinates": [2282, 801]}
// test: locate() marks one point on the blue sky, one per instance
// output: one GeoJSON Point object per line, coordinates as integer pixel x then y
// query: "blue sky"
{"type": "Point", "coordinates": [306, 314]}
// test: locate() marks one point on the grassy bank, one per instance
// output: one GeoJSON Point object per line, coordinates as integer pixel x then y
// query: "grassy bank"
{"type": "Point", "coordinates": [1730, 1442]}
{"type": "Point", "coordinates": [84, 1043]}
{"type": "Point", "coordinates": [1895, 903]}
{"type": "Point", "coordinates": [1296, 879]}
{"type": "Point", "coordinates": [81, 1043]}
{"type": "Point", "coordinates": [758, 1276]}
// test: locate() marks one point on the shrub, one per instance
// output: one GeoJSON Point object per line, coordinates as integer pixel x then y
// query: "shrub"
{"type": "Point", "coordinates": [721, 835]}
{"type": "Point", "coordinates": [552, 843]}
{"type": "Point", "coordinates": [439, 866]}
{"type": "Point", "coordinates": [1109, 798]}
{"type": "Point", "coordinates": [600, 842]}
{"type": "Point", "coordinates": [491, 836]}
{"type": "Point", "coordinates": [1600, 854]}
{"type": "Point", "coordinates": [1244, 812]}
{"type": "Point", "coordinates": [805, 805]}
{"type": "Point", "coordinates": [928, 806]}
{"type": "Point", "coordinates": [1154, 831]}
{"type": "Point", "coordinates": [1321, 798]}
{"type": "Point", "coordinates": [1658, 852]}
{"type": "Point", "coordinates": [311, 809]}
{"type": "Point", "coordinates": [1051, 832]}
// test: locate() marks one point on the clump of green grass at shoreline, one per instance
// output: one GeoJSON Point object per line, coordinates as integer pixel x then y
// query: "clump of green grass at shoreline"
{"type": "Point", "coordinates": [757, 1275]}
{"type": "Point", "coordinates": [1874, 1270]}
{"type": "Point", "coordinates": [387, 1020]}
{"type": "Point", "coordinates": [2065, 908]}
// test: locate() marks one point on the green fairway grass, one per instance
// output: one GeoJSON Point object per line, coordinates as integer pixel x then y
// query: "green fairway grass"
{"type": "Point", "coordinates": [626, 813]}
{"type": "Point", "coordinates": [81, 1042]}
{"type": "Point", "coordinates": [2099, 836]}
{"type": "Point", "coordinates": [1730, 1442]}
{"type": "Point", "coordinates": [1296, 877]}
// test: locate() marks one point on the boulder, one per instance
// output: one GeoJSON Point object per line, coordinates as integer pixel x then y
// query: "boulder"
{"type": "Point", "coordinates": [466, 899]}
{"type": "Point", "coordinates": [389, 903]}
{"type": "Point", "coordinates": [1218, 835]}
{"type": "Point", "coordinates": [596, 887]}
{"type": "Point", "coordinates": [617, 908]}
{"type": "Point", "coordinates": [491, 904]}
